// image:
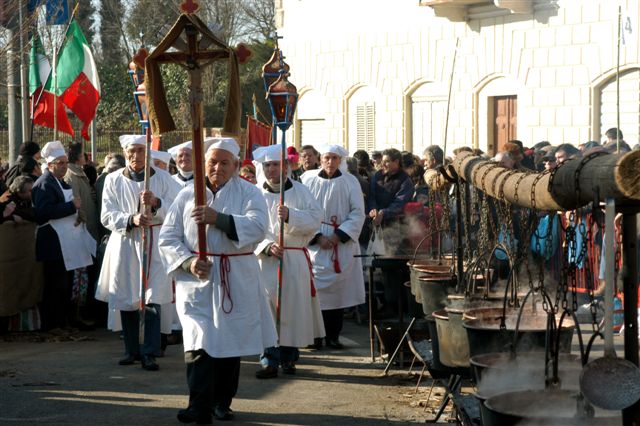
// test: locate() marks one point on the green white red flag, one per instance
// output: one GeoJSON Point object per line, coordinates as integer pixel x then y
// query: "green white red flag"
{"type": "Point", "coordinates": [42, 100]}
{"type": "Point", "coordinates": [77, 85]}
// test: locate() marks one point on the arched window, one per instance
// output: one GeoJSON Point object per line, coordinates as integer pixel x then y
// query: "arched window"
{"type": "Point", "coordinates": [426, 110]}
{"type": "Point", "coordinates": [605, 109]}
{"type": "Point", "coordinates": [311, 128]}
{"type": "Point", "coordinates": [361, 119]}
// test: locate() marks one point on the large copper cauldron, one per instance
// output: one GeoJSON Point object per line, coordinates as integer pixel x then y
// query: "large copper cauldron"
{"type": "Point", "coordinates": [492, 333]}
{"type": "Point", "coordinates": [544, 408]}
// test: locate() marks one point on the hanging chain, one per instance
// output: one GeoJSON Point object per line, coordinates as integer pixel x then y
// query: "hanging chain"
{"type": "Point", "coordinates": [467, 222]}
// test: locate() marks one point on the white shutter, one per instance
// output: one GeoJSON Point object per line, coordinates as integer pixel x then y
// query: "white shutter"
{"type": "Point", "coordinates": [366, 127]}
{"type": "Point", "coordinates": [629, 107]}
{"type": "Point", "coordinates": [313, 132]}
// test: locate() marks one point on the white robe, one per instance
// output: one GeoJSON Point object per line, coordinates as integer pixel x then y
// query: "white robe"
{"type": "Point", "coordinates": [249, 327]}
{"type": "Point", "coordinates": [340, 197]}
{"type": "Point", "coordinates": [300, 315]}
{"type": "Point", "coordinates": [120, 278]}
{"type": "Point", "coordinates": [182, 183]}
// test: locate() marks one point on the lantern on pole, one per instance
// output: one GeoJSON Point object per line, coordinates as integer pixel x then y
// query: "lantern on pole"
{"type": "Point", "coordinates": [283, 98]}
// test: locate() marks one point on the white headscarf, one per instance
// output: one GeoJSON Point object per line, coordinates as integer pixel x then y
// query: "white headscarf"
{"type": "Point", "coordinates": [263, 155]}
{"type": "Point", "coordinates": [338, 150]}
{"type": "Point", "coordinates": [52, 150]}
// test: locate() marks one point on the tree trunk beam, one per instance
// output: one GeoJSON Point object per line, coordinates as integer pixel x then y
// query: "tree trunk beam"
{"type": "Point", "coordinates": [573, 184]}
{"type": "Point", "coordinates": [434, 180]}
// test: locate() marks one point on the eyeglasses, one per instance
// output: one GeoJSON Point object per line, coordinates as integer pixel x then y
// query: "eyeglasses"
{"type": "Point", "coordinates": [61, 162]}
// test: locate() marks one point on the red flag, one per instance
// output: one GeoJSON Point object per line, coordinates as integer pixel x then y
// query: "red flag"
{"type": "Point", "coordinates": [258, 134]}
{"type": "Point", "coordinates": [43, 114]}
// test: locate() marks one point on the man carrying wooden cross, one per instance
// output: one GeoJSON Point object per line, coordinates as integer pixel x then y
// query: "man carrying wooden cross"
{"type": "Point", "coordinates": [220, 299]}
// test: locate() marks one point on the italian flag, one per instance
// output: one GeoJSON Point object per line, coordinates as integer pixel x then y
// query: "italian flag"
{"type": "Point", "coordinates": [42, 100]}
{"type": "Point", "coordinates": [77, 77]}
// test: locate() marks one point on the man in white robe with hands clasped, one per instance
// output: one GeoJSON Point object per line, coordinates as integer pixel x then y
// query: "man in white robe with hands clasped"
{"type": "Point", "coordinates": [300, 315]}
{"type": "Point", "coordinates": [337, 273]}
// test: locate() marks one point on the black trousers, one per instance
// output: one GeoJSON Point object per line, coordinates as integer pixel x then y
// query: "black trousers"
{"type": "Point", "coordinates": [212, 381]}
{"type": "Point", "coordinates": [332, 319]}
{"type": "Point", "coordinates": [131, 331]}
{"type": "Point", "coordinates": [55, 308]}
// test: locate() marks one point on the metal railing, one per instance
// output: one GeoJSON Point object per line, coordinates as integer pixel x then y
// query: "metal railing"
{"type": "Point", "coordinates": [106, 140]}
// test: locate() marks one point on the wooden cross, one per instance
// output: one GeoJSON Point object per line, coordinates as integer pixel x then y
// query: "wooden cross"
{"type": "Point", "coordinates": [193, 57]}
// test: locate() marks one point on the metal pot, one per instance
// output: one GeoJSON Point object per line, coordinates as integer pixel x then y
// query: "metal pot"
{"type": "Point", "coordinates": [486, 335]}
{"type": "Point", "coordinates": [542, 408]}
{"type": "Point", "coordinates": [433, 290]}
{"type": "Point", "coordinates": [437, 370]}
{"type": "Point", "coordinates": [421, 267]}
{"type": "Point", "coordinates": [509, 363]}
{"type": "Point", "coordinates": [453, 343]}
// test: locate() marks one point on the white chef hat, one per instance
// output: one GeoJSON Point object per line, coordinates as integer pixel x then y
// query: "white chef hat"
{"type": "Point", "coordinates": [173, 151]}
{"type": "Point", "coordinates": [268, 153]}
{"type": "Point", "coordinates": [52, 150]}
{"type": "Point", "coordinates": [336, 149]}
{"type": "Point", "coordinates": [228, 144]}
{"type": "Point", "coordinates": [163, 156]}
{"type": "Point", "coordinates": [189, 145]}
{"type": "Point", "coordinates": [126, 140]}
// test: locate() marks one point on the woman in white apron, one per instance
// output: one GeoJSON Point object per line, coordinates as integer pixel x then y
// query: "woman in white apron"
{"type": "Point", "coordinates": [62, 242]}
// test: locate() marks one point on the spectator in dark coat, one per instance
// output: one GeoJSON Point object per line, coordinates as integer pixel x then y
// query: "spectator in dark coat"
{"type": "Point", "coordinates": [19, 195]}
{"type": "Point", "coordinates": [390, 189]}
{"type": "Point", "coordinates": [49, 203]}
{"type": "Point", "coordinates": [27, 150]}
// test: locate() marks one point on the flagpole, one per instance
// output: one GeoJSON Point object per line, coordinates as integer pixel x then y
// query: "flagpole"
{"type": "Point", "coordinates": [24, 78]}
{"type": "Point", "coordinates": [618, 82]}
{"type": "Point", "coordinates": [54, 76]}
{"type": "Point", "coordinates": [56, 51]}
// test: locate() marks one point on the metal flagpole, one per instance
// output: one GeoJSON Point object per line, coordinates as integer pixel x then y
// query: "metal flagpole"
{"type": "Point", "coordinates": [446, 121]}
{"type": "Point", "coordinates": [24, 78]}
{"type": "Point", "coordinates": [618, 81]}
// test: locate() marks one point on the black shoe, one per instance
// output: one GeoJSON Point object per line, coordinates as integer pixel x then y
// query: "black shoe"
{"type": "Point", "coordinates": [129, 359]}
{"type": "Point", "coordinates": [189, 415]}
{"type": "Point", "coordinates": [317, 344]}
{"type": "Point", "coordinates": [221, 413]}
{"type": "Point", "coordinates": [268, 372]}
{"type": "Point", "coordinates": [334, 344]}
{"type": "Point", "coordinates": [288, 367]}
{"type": "Point", "coordinates": [149, 363]}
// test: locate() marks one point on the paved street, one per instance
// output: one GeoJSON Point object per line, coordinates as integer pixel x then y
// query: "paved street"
{"type": "Point", "coordinates": [80, 383]}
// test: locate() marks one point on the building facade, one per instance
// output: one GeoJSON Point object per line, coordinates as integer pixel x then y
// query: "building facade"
{"type": "Point", "coordinates": [374, 74]}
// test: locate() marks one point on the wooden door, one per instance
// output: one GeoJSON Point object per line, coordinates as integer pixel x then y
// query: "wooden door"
{"type": "Point", "coordinates": [505, 113]}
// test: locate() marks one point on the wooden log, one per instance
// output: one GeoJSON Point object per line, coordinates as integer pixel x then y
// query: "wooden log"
{"type": "Point", "coordinates": [573, 184]}
{"type": "Point", "coordinates": [434, 180]}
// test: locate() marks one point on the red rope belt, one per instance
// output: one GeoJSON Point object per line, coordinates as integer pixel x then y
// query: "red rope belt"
{"type": "Point", "coordinates": [225, 268]}
{"type": "Point", "coordinates": [306, 254]}
{"type": "Point", "coordinates": [334, 256]}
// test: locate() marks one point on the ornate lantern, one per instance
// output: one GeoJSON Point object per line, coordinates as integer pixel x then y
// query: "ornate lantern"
{"type": "Point", "coordinates": [283, 98]}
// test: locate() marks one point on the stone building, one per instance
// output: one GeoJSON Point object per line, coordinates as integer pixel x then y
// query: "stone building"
{"type": "Point", "coordinates": [376, 73]}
